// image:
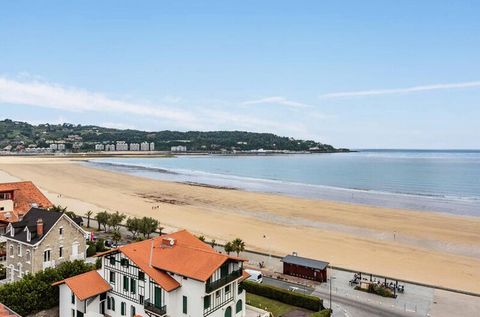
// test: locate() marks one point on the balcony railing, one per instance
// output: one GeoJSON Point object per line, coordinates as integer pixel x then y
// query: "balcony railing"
{"type": "Point", "coordinates": [211, 286]}
{"type": "Point", "coordinates": [159, 311]}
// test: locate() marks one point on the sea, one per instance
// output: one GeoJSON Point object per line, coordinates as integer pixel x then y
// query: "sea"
{"type": "Point", "coordinates": [432, 180]}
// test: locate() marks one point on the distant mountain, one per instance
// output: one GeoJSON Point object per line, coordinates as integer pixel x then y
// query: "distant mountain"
{"type": "Point", "coordinates": [17, 135]}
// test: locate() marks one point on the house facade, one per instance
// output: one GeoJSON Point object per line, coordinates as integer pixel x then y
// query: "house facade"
{"type": "Point", "coordinates": [42, 239]}
{"type": "Point", "coordinates": [171, 275]}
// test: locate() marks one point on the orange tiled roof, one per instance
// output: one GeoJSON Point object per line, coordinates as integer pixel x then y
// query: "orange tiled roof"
{"type": "Point", "coordinates": [24, 195]}
{"type": "Point", "coordinates": [86, 285]}
{"type": "Point", "coordinates": [5, 312]}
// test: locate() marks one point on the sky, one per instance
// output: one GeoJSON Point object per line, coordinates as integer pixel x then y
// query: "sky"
{"type": "Point", "coordinates": [357, 74]}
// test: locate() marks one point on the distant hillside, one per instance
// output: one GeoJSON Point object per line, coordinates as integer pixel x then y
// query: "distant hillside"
{"type": "Point", "coordinates": [16, 135]}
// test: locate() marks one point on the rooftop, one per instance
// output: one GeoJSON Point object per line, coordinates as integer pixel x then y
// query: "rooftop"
{"type": "Point", "coordinates": [298, 260]}
{"type": "Point", "coordinates": [25, 196]}
{"type": "Point", "coordinates": [49, 219]}
{"type": "Point", "coordinates": [86, 285]}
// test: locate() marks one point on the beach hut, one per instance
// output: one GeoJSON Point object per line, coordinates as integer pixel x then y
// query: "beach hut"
{"type": "Point", "coordinates": [311, 269]}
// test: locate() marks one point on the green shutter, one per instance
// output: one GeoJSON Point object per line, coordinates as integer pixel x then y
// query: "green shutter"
{"type": "Point", "coordinates": [185, 303]}
{"type": "Point", "coordinates": [125, 283]}
{"type": "Point", "coordinates": [133, 285]}
{"type": "Point", "coordinates": [206, 302]}
{"type": "Point", "coordinates": [122, 309]}
{"type": "Point", "coordinates": [112, 260]}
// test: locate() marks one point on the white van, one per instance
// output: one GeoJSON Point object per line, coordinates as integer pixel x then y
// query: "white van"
{"type": "Point", "coordinates": [255, 276]}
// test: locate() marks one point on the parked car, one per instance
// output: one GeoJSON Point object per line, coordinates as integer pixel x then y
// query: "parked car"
{"type": "Point", "coordinates": [255, 276]}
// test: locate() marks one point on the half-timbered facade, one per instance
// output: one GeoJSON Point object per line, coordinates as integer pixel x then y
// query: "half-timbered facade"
{"type": "Point", "coordinates": [171, 275]}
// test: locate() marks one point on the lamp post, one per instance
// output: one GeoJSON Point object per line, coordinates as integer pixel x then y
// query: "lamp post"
{"type": "Point", "coordinates": [331, 280]}
{"type": "Point", "coordinates": [269, 251]}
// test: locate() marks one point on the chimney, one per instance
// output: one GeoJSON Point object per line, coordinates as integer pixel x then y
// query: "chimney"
{"type": "Point", "coordinates": [40, 227]}
{"type": "Point", "coordinates": [168, 242]}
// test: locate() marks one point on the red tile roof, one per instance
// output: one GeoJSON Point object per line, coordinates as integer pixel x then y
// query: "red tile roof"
{"type": "Point", "coordinates": [86, 285]}
{"type": "Point", "coordinates": [6, 312]}
{"type": "Point", "coordinates": [188, 257]}
{"type": "Point", "coordinates": [24, 195]}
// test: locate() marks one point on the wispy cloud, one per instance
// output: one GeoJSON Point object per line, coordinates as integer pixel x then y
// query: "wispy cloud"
{"type": "Point", "coordinates": [277, 100]}
{"type": "Point", "coordinates": [378, 92]}
{"type": "Point", "coordinates": [50, 95]}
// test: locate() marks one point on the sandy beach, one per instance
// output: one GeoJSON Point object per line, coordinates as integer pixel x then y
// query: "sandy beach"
{"type": "Point", "coordinates": [427, 247]}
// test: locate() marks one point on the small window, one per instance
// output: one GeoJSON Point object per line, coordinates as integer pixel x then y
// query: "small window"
{"type": "Point", "coordinates": [109, 305]}
{"type": "Point", "coordinates": [206, 302]}
{"type": "Point", "coordinates": [217, 294]}
{"type": "Point", "coordinates": [73, 298]}
{"type": "Point", "coordinates": [185, 305]}
{"type": "Point", "coordinates": [113, 303]}
{"type": "Point", "coordinates": [125, 283]}
{"type": "Point", "coordinates": [124, 262]}
{"type": "Point", "coordinates": [141, 276]}
{"type": "Point", "coordinates": [46, 256]}
{"type": "Point", "coordinates": [19, 250]}
{"type": "Point", "coordinates": [123, 309]}
{"type": "Point", "coordinates": [227, 288]}
{"type": "Point", "coordinates": [60, 231]}
{"type": "Point", "coordinates": [60, 252]}
{"type": "Point", "coordinates": [133, 285]}
{"type": "Point", "coordinates": [112, 277]}
{"type": "Point", "coordinates": [112, 260]}
{"type": "Point", "coordinates": [140, 299]}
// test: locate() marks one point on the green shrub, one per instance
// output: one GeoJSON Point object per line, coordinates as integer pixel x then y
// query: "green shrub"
{"type": "Point", "coordinates": [322, 313]}
{"type": "Point", "coordinates": [35, 292]}
{"type": "Point", "coordinates": [377, 289]}
{"type": "Point", "coordinates": [100, 245]}
{"type": "Point", "coordinates": [300, 300]}
{"type": "Point", "coordinates": [91, 250]}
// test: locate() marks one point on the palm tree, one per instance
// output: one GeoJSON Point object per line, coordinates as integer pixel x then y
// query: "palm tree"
{"type": "Point", "coordinates": [228, 248]}
{"type": "Point", "coordinates": [57, 208]}
{"type": "Point", "coordinates": [89, 214]}
{"type": "Point", "coordinates": [238, 246]}
{"type": "Point", "coordinates": [213, 243]}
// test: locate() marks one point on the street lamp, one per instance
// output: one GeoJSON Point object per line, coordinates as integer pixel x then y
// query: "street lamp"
{"type": "Point", "coordinates": [330, 282]}
{"type": "Point", "coordinates": [269, 251]}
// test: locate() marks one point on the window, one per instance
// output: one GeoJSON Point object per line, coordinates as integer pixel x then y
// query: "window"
{"type": "Point", "coordinates": [133, 285]}
{"type": "Point", "coordinates": [46, 256]}
{"type": "Point", "coordinates": [112, 277]}
{"type": "Point", "coordinates": [228, 312]}
{"type": "Point", "coordinates": [60, 252]}
{"type": "Point", "coordinates": [11, 251]}
{"type": "Point", "coordinates": [124, 262]}
{"type": "Point", "coordinates": [140, 299]}
{"type": "Point", "coordinates": [28, 256]}
{"type": "Point", "coordinates": [73, 298]}
{"type": "Point", "coordinates": [112, 260]}
{"type": "Point", "coordinates": [113, 303]}
{"type": "Point", "coordinates": [141, 276]}
{"type": "Point", "coordinates": [217, 294]}
{"type": "Point", "coordinates": [60, 232]}
{"type": "Point", "coordinates": [206, 302]}
{"type": "Point", "coordinates": [239, 306]}
{"type": "Point", "coordinates": [125, 283]}
{"type": "Point", "coordinates": [73, 312]}
{"type": "Point", "coordinates": [227, 288]}
{"type": "Point", "coordinates": [109, 305]}
{"type": "Point", "coordinates": [133, 311]}
{"type": "Point", "coordinates": [19, 249]}
{"type": "Point", "coordinates": [123, 309]}
{"type": "Point", "coordinates": [185, 304]}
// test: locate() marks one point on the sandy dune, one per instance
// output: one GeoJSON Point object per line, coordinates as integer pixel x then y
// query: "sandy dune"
{"type": "Point", "coordinates": [426, 247]}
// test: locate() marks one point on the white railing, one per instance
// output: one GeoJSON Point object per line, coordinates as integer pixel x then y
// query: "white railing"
{"type": "Point", "coordinates": [48, 264]}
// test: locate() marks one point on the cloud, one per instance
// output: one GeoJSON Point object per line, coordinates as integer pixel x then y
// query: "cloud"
{"type": "Point", "coordinates": [282, 101]}
{"type": "Point", "coordinates": [50, 95]}
{"type": "Point", "coordinates": [379, 92]}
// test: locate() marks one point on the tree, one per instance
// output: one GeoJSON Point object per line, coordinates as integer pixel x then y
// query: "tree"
{"type": "Point", "coordinates": [57, 208]}
{"type": "Point", "coordinates": [89, 214]}
{"type": "Point", "coordinates": [116, 236]}
{"type": "Point", "coordinates": [102, 219]}
{"type": "Point", "coordinates": [115, 219]}
{"type": "Point", "coordinates": [148, 226]}
{"type": "Point", "coordinates": [213, 243]}
{"type": "Point", "coordinates": [134, 225]}
{"type": "Point", "coordinates": [201, 238]}
{"type": "Point", "coordinates": [238, 246]}
{"type": "Point", "coordinates": [228, 248]}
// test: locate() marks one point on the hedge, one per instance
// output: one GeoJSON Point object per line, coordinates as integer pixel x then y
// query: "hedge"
{"type": "Point", "coordinates": [34, 293]}
{"type": "Point", "coordinates": [322, 313]}
{"type": "Point", "coordinates": [282, 295]}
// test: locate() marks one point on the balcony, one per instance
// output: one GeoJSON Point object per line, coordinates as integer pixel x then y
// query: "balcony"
{"type": "Point", "coordinates": [152, 309]}
{"type": "Point", "coordinates": [48, 264]}
{"type": "Point", "coordinates": [211, 286]}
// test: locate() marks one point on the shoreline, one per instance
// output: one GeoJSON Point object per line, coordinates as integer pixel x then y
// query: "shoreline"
{"type": "Point", "coordinates": [347, 235]}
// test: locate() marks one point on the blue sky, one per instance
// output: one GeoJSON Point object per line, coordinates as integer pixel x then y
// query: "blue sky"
{"type": "Point", "coordinates": [360, 74]}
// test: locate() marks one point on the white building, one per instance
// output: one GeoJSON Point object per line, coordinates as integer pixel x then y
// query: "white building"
{"type": "Point", "coordinates": [134, 147]}
{"type": "Point", "coordinates": [53, 147]}
{"type": "Point", "coordinates": [152, 146]}
{"type": "Point", "coordinates": [61, 146]}
{"type": "Point", "coordinates": [144, 146]}
{"type": "Point", "coordinates": [121, 146]}
{"type": "Point", "coordinates": [172, 275]}
{"type": "Point", "coordinates": [178, 148]}
{"type": "Point", "coordinates": [110, 147]}
{"type": "Point", "coordinates": [99, 147]}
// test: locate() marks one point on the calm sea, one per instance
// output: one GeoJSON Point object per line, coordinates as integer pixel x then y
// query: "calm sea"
{"type": "Point", "coordinates": [445, 181]}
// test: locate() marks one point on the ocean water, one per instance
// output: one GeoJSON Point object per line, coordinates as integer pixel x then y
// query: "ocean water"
{"type": "Point", "coordinates": [444, 181]}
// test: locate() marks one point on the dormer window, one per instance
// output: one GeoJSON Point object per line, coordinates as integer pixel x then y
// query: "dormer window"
{"type": "Point", "coordinates": [29, 236]}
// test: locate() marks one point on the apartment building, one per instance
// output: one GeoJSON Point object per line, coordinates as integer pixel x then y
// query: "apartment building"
{"type": "Point", "coordinates": [171, 275]}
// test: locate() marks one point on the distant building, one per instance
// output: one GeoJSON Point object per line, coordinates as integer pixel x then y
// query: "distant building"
{"type": "Point", "coordinates": [152, 146]}
{"type": "Point", "coordinates": [41, 240]}
{"type": "Point", "coordinates": [99, 147]}
{"type": "Point", "coordinates": [178, 148]}
{"type": "Point", "coordinates": [61, 147]}
{"type": "Point", "coordinates": [121, 146]}
{"type": "Point", "coordinates": [110, 147]}
{"type": "Point", "coordinates": [134, 147]}
{"type": "Point", "coordinates": [53, 147]}
{"type": "Point", "coordinates": [144, 146]}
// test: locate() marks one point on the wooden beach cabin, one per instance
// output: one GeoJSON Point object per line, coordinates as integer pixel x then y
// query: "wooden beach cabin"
{"type": "Point", "coordinates": [305, 268]}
